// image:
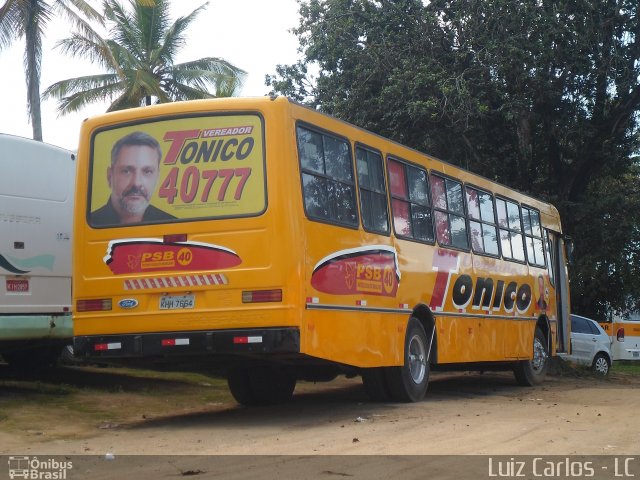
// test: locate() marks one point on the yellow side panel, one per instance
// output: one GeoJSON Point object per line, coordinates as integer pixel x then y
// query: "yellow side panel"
{"type": "Point", "coordinates": [469, 340]}
{"type": "Point", "coordinates": [354, 338]}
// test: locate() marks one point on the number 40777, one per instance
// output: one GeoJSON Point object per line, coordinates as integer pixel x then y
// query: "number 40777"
{"type": "Point", "coordinates": [204, 185]}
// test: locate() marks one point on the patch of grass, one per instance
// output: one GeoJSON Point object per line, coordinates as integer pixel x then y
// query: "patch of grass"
{"type": "Point", "coordinates": [78, 401]}
{"type": "Point", "coordinates": [628, 367]}
{"type": "Point", "coordinates": [564, 368]}
{"type": "Point", "coordinates": [142, 373]}
{"type": "Point", "coordinates": [16, 388]}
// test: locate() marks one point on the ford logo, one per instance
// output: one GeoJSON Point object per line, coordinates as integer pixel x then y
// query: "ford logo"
{"type": "Point", "coordinates": [128, 303]}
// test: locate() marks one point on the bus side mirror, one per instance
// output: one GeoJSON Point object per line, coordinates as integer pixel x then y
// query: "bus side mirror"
{"type": "Point", "coordinates": [568, 242]}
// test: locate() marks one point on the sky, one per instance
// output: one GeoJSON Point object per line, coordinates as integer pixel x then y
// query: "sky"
{"type": "Point", "coordinates": [253, 35]}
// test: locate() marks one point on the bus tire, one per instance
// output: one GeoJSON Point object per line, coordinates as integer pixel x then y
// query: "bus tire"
{"type": "Point", "coordinates": [33, 359]}
{"type": "Point", "coordinates": [532, 372]}
{"type": "Point", "coordinates": [261, 385]}
{"type": "Point", "coordinates": [409, 382]}
{"type": "Point", "coordinates": [240, 387]}
{"type": "Point", "coordinates": [375, 384]}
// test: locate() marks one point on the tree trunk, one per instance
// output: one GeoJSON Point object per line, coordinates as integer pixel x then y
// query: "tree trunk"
{"type": "Point", "coordinates": [32, 63]}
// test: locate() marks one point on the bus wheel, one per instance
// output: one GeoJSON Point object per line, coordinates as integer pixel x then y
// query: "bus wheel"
{"type": "Point", "coordinates": [409, 382]}
{"type": "Point", "coordinates": [375, 384]}
{"type": "Point", "coordinates": [33, 359]}
{"type": "Point", "coordinates": [261, 385]}
{"type": "Point", "coordinates": [239, 385]}
{"type": "Point", "coordinates": [532, 372]}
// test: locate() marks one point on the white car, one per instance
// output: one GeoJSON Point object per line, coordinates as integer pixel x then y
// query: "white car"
{"type": "Point", "coordinates": [590, 345]}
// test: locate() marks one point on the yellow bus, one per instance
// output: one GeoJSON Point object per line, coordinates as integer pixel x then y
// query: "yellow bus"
{"type": "Point", "coordinates": [277, 244]}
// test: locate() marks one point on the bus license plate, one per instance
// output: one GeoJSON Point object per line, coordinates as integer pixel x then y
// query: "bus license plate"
{"type": "Point", "coordinates": [19, 285]}
{"type": "Point", "coordinates": [176, 302]}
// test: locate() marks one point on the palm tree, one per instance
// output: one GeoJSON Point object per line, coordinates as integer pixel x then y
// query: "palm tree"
{"type": "Point", "coordinates": [29, 19]}
{"type": "Point", "coordinates": [138, 57]}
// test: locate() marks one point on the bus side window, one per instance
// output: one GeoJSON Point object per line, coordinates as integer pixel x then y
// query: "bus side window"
{"type": "Point", "coordinates": [482, 223]}
{"type": "Point", "coordinates": [510, 226]}
{"type": "Point", "coordinates": [533, 236]}
{"type": "Point", "coordinates": [448, 205]}
{"type": "Point", "coordinates": [373, 202]}
{"type": "Point", "coordinates": [409, 189]}
{"type": "Point", "coordinates": [328, 184]}
{"type": "Point", "coordinates": [550, 257]}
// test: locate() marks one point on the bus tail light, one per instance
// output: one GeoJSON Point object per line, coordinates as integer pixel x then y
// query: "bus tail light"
{"type": "Point", "coordinates": [103, 347]}
{"type": "Point", "coordinates": [172, 342]}
{"type": "Point", "coordinates": [94, 305]}
{"type": "Point", "coordinates": [260, 296]}
{"type": "Point", "coordinates": [620, 334]}
{"type": "Point", "coordinates": [247, 339]}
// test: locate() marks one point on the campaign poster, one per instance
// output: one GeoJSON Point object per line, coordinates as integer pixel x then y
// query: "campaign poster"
{"type": "Point", "coordinates": [200, 167]}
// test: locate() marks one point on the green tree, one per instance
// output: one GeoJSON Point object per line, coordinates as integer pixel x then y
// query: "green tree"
{"type": "Point", "coordinates": [607, 258]}
{"type": "Point", "coordinates": [139, 58]}
{"type": "Point", "coordinates": [29, 19]}
{"type": "Point", "coordinates": [542, 96]}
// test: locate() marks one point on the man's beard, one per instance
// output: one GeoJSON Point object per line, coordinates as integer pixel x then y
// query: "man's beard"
{"type": "Point", "coordinates": [135, 207]}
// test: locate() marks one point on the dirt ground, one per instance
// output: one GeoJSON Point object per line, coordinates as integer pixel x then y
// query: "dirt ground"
{"type": "Point", "coordinates": [94, 411]}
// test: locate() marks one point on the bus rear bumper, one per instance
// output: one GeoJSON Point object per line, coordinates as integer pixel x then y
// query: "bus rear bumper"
{"type": "Point", "coordinates": [210, 342]}
{"type": "Point", "coordinates": [36, 327]}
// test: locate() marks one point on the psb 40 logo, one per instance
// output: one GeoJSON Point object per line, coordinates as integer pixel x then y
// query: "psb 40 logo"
{"type": "Point", "coordinates": [372, 270]}
{"type": "Point", "coordinates": [166, 258]}
{"type": "Point", "coordinates": [151, 255]}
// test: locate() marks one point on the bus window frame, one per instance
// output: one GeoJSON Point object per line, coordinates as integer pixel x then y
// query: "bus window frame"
{"type": "Point", "coordinates": [525, 235]}
{"type": "Point", "coordinates": [390, 198]}
{"type": "Point", "coordinates": [551, 252]}
{"type": "Point", "coordinates": [524, 247]}
{"type": "Point", "coordinates": [323, 131]}
{"type": "Point", "coordinates": [90, 170]}
{"type": "Point", "coordinates": [386, 192]}
{"type": "Point", "coordinates": [495, 221]}
{"type": "Point", "coordinates": [465, 215]}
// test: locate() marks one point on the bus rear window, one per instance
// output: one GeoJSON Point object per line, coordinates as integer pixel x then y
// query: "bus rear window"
{"type": "Point", "coordinates": [178, 169]}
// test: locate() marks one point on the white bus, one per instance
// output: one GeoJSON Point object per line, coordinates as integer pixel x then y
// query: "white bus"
{"type": "Point", "coordinates": [625, 336]}
{"type": "Point", "coordinates": [36, 204]}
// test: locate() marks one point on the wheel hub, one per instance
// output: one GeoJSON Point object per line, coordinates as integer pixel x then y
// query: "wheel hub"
{"type": "Point", "coordinates": [417, 356]}
{"type": "Point", "coordinates": [539, 356]}
{"type": "Point", "coordinates": [602, 366]}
